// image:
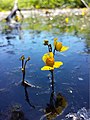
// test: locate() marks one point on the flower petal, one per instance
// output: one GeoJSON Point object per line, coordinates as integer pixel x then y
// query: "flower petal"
{"type": "Point", "coordinates": [64, 48]}
{"type": "Point", "coordinates": [45, 56]}
{"type": "Point", "coordinates": [47, 68]}
{"type": "Point", "coordinates": [51, 54]}
{"type": "Point", "coordinates": [57, 64]}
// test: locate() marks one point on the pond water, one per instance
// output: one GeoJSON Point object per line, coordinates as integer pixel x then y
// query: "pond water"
{"type": "Point", "coordinates": [71, 79]}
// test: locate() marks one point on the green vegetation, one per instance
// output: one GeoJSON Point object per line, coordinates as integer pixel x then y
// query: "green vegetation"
{"type": "Point", "coordinates": [29, 4]}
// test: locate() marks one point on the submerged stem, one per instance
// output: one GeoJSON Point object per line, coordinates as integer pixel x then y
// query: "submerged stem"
{"type": "Point", "coordinates": [52, 73]}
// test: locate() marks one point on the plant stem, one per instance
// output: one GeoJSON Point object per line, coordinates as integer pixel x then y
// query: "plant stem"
{"type": "Point", "coordinates": [54, 51]}
{"type": "Point", "coordinates": [52, 73]}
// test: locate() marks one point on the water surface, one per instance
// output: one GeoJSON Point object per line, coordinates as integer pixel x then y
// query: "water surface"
{"type": "Point", "coordinates": [71, 79]}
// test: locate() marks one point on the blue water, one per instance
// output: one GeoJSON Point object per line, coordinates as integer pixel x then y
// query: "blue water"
{"type": "Point", "coordinates": [71, 80]}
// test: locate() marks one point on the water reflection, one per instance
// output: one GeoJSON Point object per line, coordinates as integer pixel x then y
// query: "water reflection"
{"type": "Point", "coordinates": [8, 44]}
{"type": "Point", "coordinates": [5, 42]}
{"type": "Point", "coordinates": [56, 99]}
{"type": "Point", "coordinates": [27, 98]}
{"type": "Point", "coordinates": [12, 32]}
{"type": "Point", "coordinates": [56, 105]}
{"type": "Point", "coordinates": [87, 46]}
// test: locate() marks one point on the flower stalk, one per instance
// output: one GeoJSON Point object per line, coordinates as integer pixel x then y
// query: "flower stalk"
{"type": "Point", "coordinates": [24, 62]}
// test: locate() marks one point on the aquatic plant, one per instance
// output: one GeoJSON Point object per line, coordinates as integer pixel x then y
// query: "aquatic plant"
{"type": "Point", "coordinates": [24, 82]}
{"type": "Point", "coordinates": [48, 58]}
{"type": "Point", "coordinates": [57, 102]}
{"type": "Point", "coordinates": [58, 46]}
{"type": "Point", "coordinates": [24, 70]}
{"type": "Point", "coordinates": [50, 62]}
{"type": "Point", "coordinates": [56, 105]}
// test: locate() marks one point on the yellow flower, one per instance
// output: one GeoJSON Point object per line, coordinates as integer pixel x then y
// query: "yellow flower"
{"type": "Point", "coordinates": [50, 26]}
{"type": "Point", "coordinates": [48, 59]}
{"type": "Point", "coordinates": [59, 47]}
{"type": "Point", "coordinates": [83, 13]}
{"type": "Point", "coordinates": [18, 18]}
{"type": "Point", "coordinates": [37, 6]}
{"type": "Point", "coordinates": [67, 20]}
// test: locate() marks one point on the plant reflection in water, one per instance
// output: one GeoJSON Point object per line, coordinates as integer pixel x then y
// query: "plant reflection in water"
{"type": "Point", "coordinates": [7, 41]}
{"type": "Point", "coordinates": [57, 103]}
{"type": "Point", "coordinates": [27, 98]}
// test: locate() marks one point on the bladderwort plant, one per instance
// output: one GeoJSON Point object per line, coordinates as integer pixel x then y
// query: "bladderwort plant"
{"type": "Point", "coordinates": [57, 101]}
{"type": "Point", "coordinates": [24, 62]}
{"type": "Point", "coordinates": [48, 58]}
{"type": "Point", "coordinates": [24, 82]}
